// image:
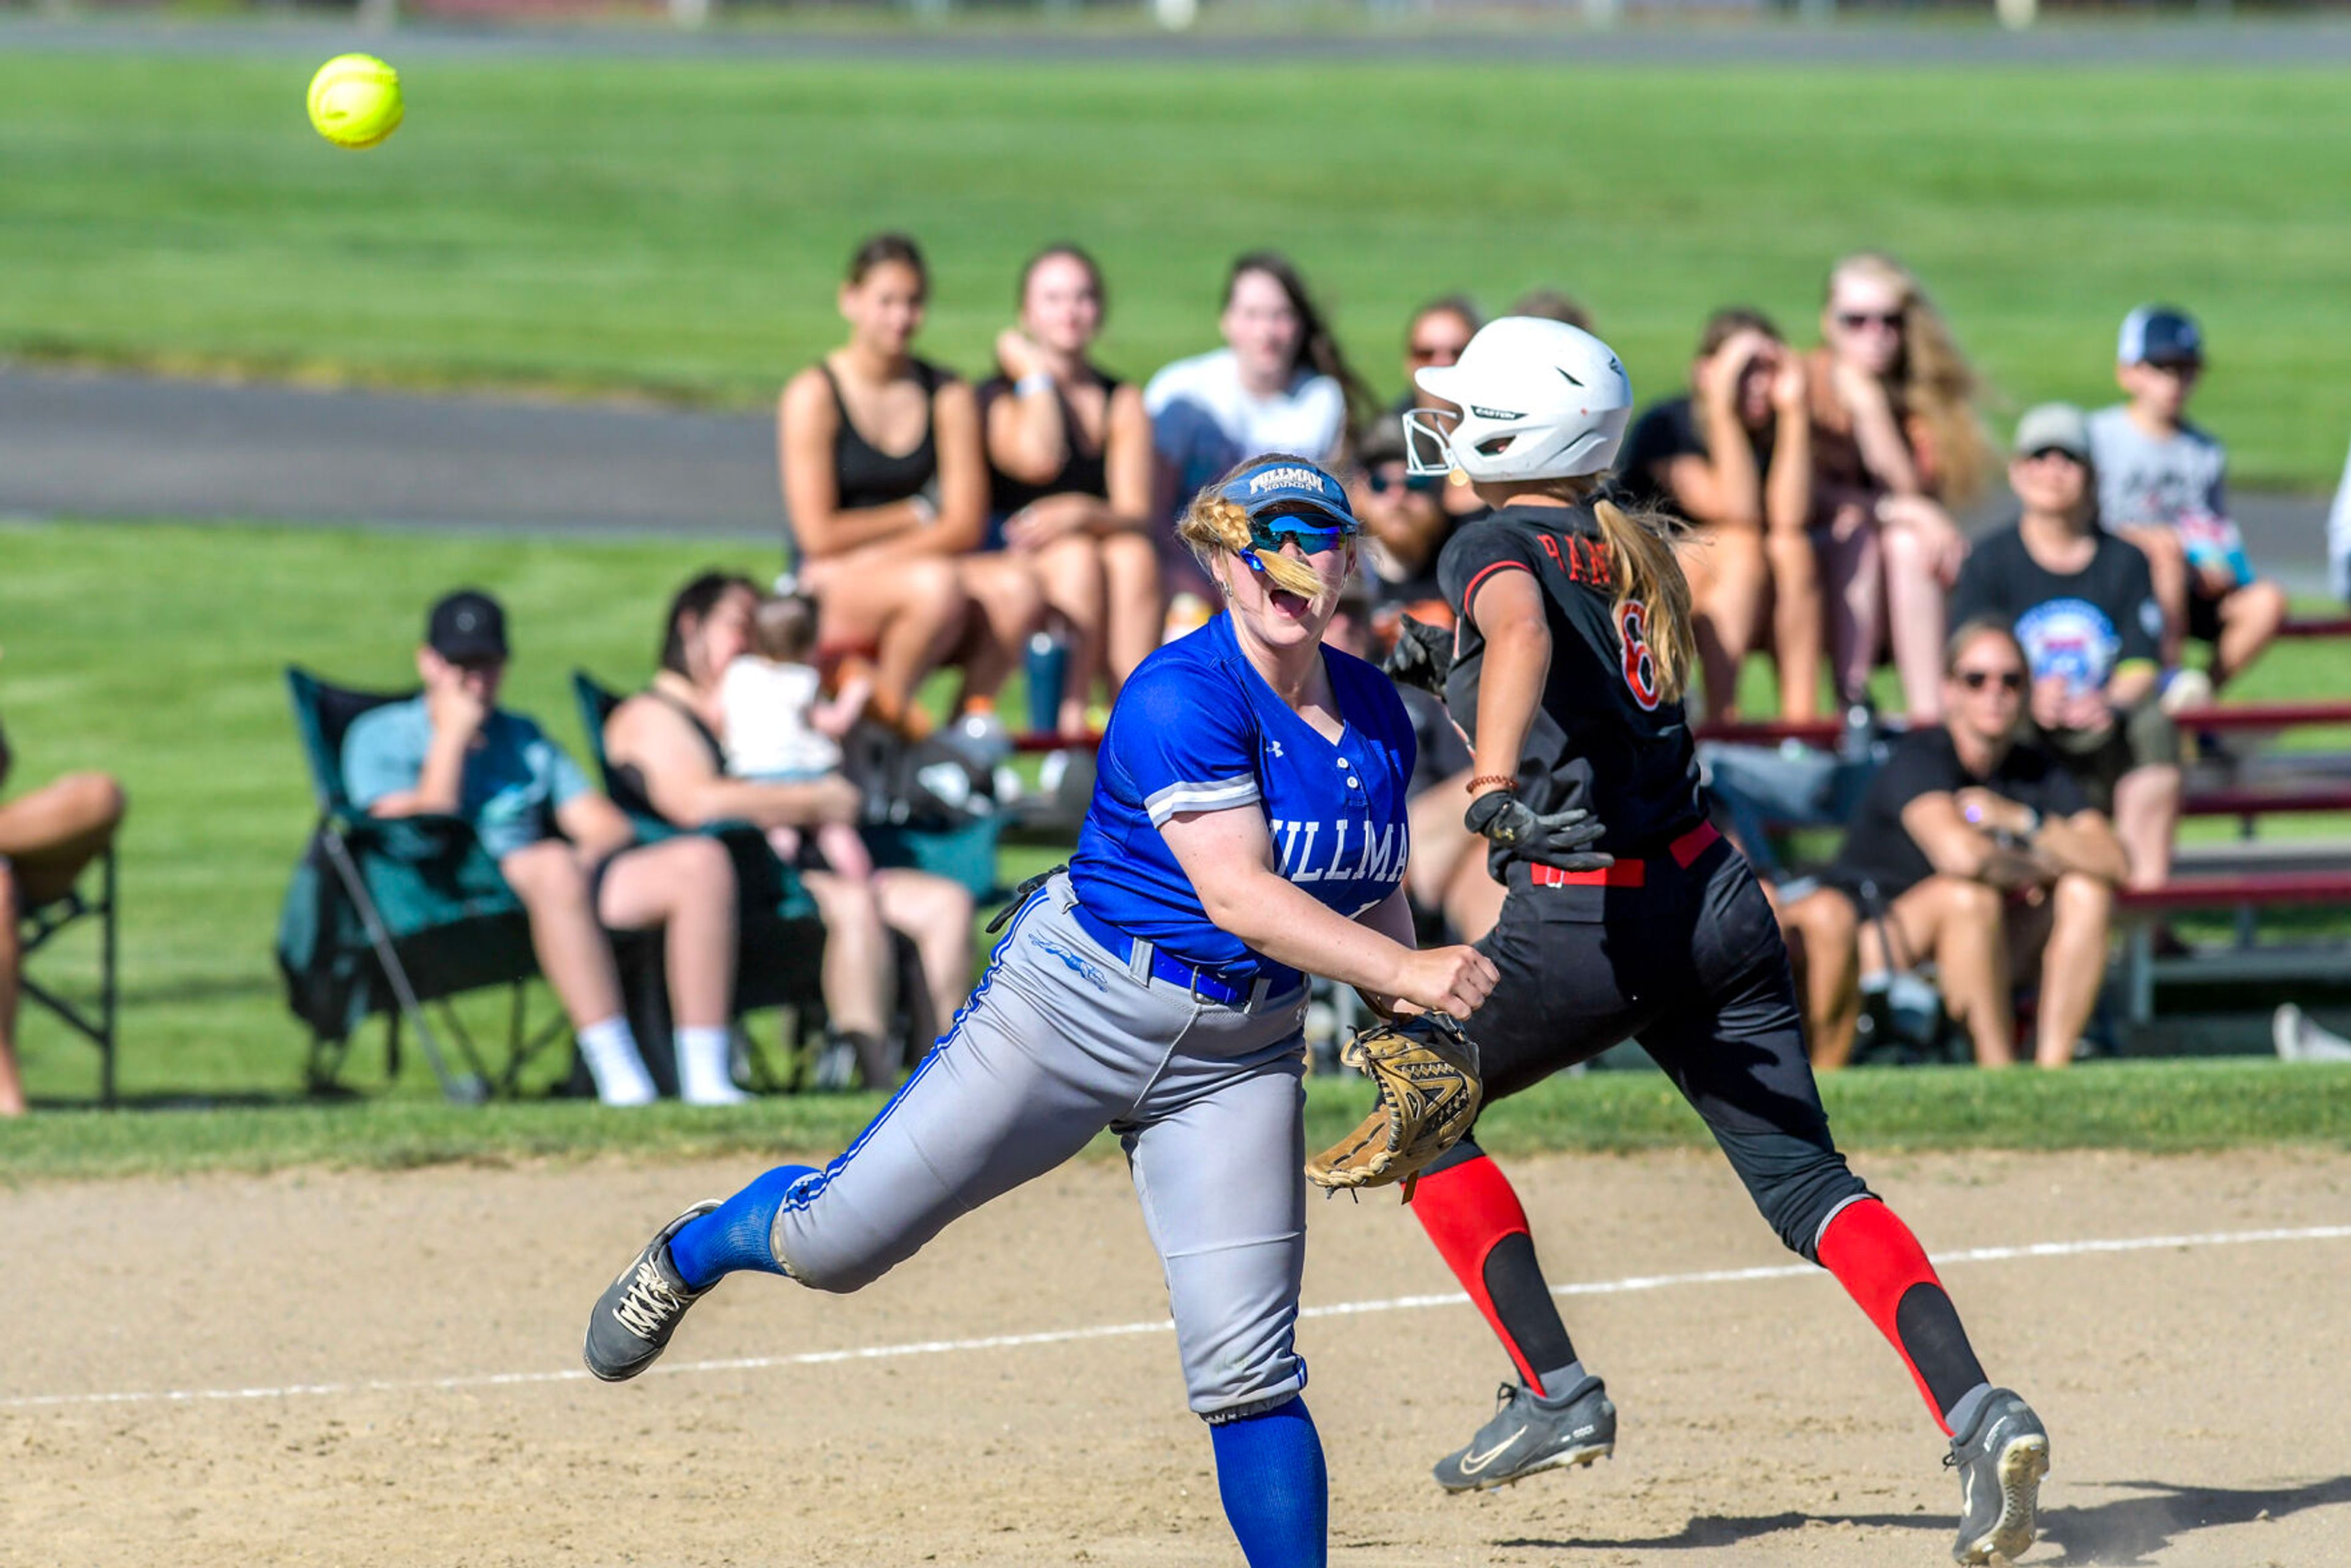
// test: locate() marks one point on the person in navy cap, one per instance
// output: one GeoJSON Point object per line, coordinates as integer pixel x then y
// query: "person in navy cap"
{"type": "Point", "coordinates": [2162, 486]}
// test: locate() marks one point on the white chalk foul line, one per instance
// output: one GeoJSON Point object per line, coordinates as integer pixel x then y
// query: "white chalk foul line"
{"type": "Point", "coordinates": [1120, 1330]}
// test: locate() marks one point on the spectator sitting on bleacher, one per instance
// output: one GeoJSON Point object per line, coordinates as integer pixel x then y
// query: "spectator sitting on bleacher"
{"type": "Point", "coordinates": [1553, 304]}
{"type": "Point", "coordinates": [885, 480]}
{"type": "Point", "coordinates": [1733, 456]}
{"type": "Point", "coordinates": [2339, 539]}
{"type": "Point", "coordinates": [47, 837]}
{"type": "Point", "coordinates": [664, 745]}
{"type": "Point", "coordinates": [1435, 337]}
{"type": "Point", "coordinates": [2162, 486]}
{"type": "Point", "coordinates": [1977, 851]}
{"type": "Point", "coordinates": [1895, 440]}
{"type": "Point", "coordinates": [781, 727]}
{"type": "Point", "coordinates": [2084, 607]}
{"type": "Point", "coordinates": [567, 852]}
{"type": "Point", "coordinates": [1404, 518]}
{"type": "Point", "coordinates": [1279, 385]}
{"type": "Point", "coordinates": [1069, 471]}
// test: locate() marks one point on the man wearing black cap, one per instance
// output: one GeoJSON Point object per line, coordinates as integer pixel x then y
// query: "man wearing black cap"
{"type": "Point", "coordinates": [2161, 485]}
{"type": "Point", "coordinates": [568, 852]}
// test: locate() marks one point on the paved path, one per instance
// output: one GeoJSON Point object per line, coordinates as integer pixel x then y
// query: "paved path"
{"type": "Point", "coordinates": [2322, 43]}
{"type": "Point", "coordinates": [119, 445]}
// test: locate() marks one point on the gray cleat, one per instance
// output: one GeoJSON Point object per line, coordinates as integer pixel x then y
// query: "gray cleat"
{"type": "Point", "coordinates": [639, 1310]}
{"type": "Point", "coordinates": [2001, 1458]}
{"type": "Point", "coordinates": [1529, 1433]}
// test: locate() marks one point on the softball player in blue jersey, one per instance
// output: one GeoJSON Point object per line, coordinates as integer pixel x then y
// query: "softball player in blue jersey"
{"type": "Point", "coordinates": [1247, 830]}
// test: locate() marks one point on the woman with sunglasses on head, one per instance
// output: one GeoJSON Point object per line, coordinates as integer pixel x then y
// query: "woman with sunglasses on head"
{"type": "Point", "coordinates": [1247, 830]}
{"type": "Point", "coordinates": [1628, 917]}
{"type": "Point", "coordinates": [1896, 445]}
{"type": "Point", "coordinates": [1069, 459]}
{"type": "Point", "coordinates": [885, 482]}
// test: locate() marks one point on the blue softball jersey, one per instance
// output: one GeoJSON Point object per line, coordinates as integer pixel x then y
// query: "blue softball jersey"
{"type": "Point", "coordinates": [1198, 729]}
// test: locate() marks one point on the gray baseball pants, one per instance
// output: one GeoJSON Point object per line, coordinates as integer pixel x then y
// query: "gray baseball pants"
{"type": "Point", "coordinates": [1058, 1041]}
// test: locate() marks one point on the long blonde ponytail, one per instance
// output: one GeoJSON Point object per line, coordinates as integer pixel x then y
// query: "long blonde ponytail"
{"type": "Point", "coordinates": [1213, 526]}
{"type": "Point", "coordinates": [1641, 559]}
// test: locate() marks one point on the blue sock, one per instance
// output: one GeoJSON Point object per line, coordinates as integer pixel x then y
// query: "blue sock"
{"type": "Point", "coordinates": [1277, 1495]}
{"type": "Point", "coordinates": [734, 1234]}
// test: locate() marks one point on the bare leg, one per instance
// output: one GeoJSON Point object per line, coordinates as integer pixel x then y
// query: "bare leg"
{"type": "Point", "coordinates": [2147, 817]}
{"type": "Point", "coordinates": [2167, 565]}
{"type": "Point", "coordinates": [858, 976]}
{"type": "Point", "coordinates": [911, 613]}
{"type": "Point", "coordinates": [936, 914]}
{"type": "Point", "coordinates": [1914, 602]}
{"type": "Point", "coordinates": [1824, 929]}
{"type": "Point", "coordinates": [1852, 570]}
{"type": "Point", "coordinates": [2250, 619]}
{"type": "Point", "coordinates": [12, 1083]}
{"type": "Point", "coordinates": [1960, 923]}
{"type": "Point", "coordinates": [685, 885]}
{"type": "Point", "coordinates": [1070, 572]}
{"type": "Point", "coordinates": [1729, 589]}
{"type": "Point", "coordinates": [1439, 841]}
{"type": "Point", "coordinates": [2073, 964]}
{"type": "Point", "coordinates": [1795, 619]}
{"type": "Point", "coordinates": [53, 833]}
{"type": "Point", "coordinates": [844, 851]}
{"type": "Point", "coordinates": [573, 952]}
{"type": "Point", "coordinates": [1003, 588]}
{"type": "Point", "coordinates": [1473, 899]}
{"type": "Point", "coordinates": [1136, 611]}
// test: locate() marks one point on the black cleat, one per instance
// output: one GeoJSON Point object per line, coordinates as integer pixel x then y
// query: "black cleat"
{"type": "Point", "coordinates": [2001, 1458]}
{"type": "Point", "coordinates": [1529, 1433]}
{"type": "Point", "coordinates": [638, 1312]}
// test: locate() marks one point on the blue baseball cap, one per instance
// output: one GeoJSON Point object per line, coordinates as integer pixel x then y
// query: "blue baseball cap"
{"type": "Point", "coordinates": [2159, 335]}
{"type": "Point", "coordinates": [1289, 486]}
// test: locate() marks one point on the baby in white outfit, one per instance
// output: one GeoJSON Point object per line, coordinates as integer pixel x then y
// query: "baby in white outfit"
{"type": "Point", "coordinates": [781, 729]}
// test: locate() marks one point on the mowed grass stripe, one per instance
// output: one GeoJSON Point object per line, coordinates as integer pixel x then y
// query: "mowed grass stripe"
{"type": "Point", "coordinates": [678, 227]}
{"type": "Point", "coordinates": [2163, 1106]}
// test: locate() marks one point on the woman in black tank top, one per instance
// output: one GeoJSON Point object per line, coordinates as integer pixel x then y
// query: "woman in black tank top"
{"type": "Point", "coordinates": [1069, 457]}
{"type": "Point", "coordinates": [885, 485]}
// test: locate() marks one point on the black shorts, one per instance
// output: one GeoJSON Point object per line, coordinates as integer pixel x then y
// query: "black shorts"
{"type": "Point", "coordinates": [2203, 613]}
{"type": "Point", "coordinates": [1690, 965]}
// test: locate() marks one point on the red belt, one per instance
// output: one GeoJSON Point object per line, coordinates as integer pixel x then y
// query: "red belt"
{"type": "Point", "coordinates": [1629, 872]}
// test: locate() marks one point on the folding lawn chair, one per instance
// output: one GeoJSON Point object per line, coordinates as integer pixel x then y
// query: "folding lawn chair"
{"type": "Point", "coordinates": [389, 914]}
{"type": "Point", "coordinates": [43, 922]}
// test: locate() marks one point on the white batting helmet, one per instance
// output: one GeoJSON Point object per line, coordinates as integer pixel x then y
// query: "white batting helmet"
{"type": "Point", "coordinates": [1539, 400]}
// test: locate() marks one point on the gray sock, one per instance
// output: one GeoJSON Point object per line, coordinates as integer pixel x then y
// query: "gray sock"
{"type": "Point", "coordinates": [1559, 1385]}
{"type": "Point", "coordinates": [1961, 1415]}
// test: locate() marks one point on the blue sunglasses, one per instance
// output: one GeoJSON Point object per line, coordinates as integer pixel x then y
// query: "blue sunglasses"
{"type": "Point", "coordinates": [1272, 533]}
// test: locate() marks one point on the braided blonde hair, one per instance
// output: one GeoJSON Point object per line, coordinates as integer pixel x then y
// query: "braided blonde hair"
{"type": "Point", "coordinates": [1213, 526]}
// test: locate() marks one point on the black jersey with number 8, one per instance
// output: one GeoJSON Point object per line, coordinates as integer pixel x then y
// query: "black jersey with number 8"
{"type": "Point", "coordinates": [1604, 737]}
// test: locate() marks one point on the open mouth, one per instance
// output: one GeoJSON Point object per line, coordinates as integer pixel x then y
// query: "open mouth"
{"type": "Point", "coordinates": [1293, 605]}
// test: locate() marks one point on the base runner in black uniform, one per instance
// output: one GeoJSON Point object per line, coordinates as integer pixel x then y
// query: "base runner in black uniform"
{"type": "Point", "coordinates": [1627, 918]}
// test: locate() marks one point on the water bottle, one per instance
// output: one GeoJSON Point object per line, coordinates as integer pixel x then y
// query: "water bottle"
{"type": "Point", "coordinates": [1860, 732]}
{"type": "Point", "coordinates": [1049, 673]}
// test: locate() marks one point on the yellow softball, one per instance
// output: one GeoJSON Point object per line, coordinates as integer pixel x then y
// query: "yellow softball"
{"type": "Point", "coordinates": [355, 100]}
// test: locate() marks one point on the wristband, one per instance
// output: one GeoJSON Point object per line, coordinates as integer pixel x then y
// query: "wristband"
{"type": "Point", "coordinates": [1034, 381]}
{"type": "Point", "coordinates": [1478, 785]}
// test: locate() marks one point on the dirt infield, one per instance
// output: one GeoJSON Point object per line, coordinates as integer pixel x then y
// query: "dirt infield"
{"type": "Point", "coordinates": [371, 1369]}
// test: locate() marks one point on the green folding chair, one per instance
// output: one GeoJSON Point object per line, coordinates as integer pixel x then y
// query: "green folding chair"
{"type": "Point", "coordinates": [38, 926]}
{"type": "Point", "coordinates": [393, 915]}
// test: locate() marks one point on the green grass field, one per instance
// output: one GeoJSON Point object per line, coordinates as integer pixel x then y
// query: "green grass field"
{"type": "Point", "coordinates": [2155, 1106]}
{"type": "Point", "coordinates": [155, 651]}
{"type": "Point", "coordinates": [677, 227]}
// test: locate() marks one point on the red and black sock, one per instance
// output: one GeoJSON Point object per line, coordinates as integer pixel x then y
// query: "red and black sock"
{"type": "Point", "coordinates": [1882, 1267]}
{"type": "Point", "coordinates": [1467, 1206]}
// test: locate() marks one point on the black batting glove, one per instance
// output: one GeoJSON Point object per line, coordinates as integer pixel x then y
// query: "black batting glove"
{"type": "Point", "coordinates": [1561, 839]}
{"type": "Point", "coordinates": [1422, 657]}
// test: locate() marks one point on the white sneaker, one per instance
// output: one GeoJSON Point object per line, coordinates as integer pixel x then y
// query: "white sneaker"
{"type": "Point", "coordinates": [2186, 689]}
{"type": "Point", "coordinates": [2299, 1040]}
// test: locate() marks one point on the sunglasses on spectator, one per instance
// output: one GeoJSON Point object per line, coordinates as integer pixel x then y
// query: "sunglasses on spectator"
{"type": "Point", "coordinates": [2042, 454]}
{"type": "Point", "coordinates": [1432, 352]}
{"type": "Point", "coordinates": [1379, 482]}
{"type": "Point", "coordinates": [1854, 320]}
{"type": "Point", "coordinates": [1977, 679]}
